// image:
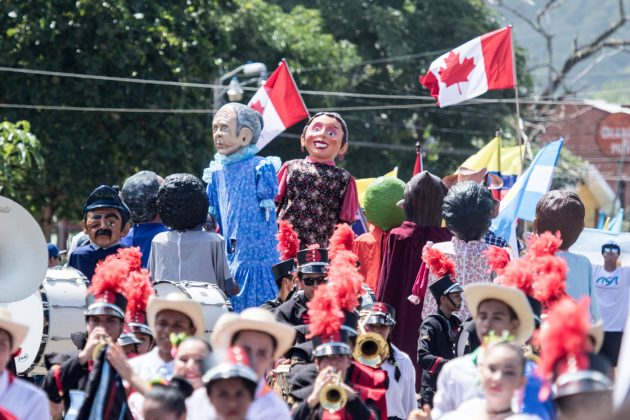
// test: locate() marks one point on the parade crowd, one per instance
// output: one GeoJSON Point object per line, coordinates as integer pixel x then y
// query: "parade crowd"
{"type": "Point", "coordinates": [427, 315]}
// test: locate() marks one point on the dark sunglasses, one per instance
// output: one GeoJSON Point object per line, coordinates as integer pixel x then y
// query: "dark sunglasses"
{"type": "Point", "coordinates": [311, 281]}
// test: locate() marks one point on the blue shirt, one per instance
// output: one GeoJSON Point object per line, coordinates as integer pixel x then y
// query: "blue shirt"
{"type": "Point", "coordinates": [141, 235]}
{"type": "Point", "coordinates": [580, 280]}
{"type": "Point", "coordinates": [531, 404]}
{"type": "Point", "coordinates": [85, 258]}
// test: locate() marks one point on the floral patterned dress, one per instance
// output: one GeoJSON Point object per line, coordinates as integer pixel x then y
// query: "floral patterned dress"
{"type": "Point", "coordinates": [314, 197]}
{"type": "Point", "coordinates": [471, 266]}
{"type": "Point", "coordinates": [241, 188]}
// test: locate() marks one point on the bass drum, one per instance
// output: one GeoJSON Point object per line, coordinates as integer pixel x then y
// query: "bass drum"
{"type": "Point", "coordinates": [52, 313]}
{"type": "Point", "coordinates": [214, 302]}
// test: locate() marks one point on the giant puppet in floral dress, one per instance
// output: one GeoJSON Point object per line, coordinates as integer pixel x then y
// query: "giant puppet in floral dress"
{"type": "Point", "coordinates": [314, 195]}
{"type": "Point", "coordinates": [241, 189]}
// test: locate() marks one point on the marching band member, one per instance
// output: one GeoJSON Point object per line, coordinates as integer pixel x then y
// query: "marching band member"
{"type": "Point", "coordinates": [104, 318]}
{"type": "Point", "coordinates": [312, 269]}
{"type": "Point", "coordinates": [231, 386]}
{"type": "Point", "coordinates": [105, 219]}
{"type": "Point", "coordinates": [266, 340]}
{"type": "Point", "coordinates": [380, 318]}
{"type": "Point", "coordinates": [139, 193]}
{"type": "Point", "coordinates": [136, 314]}
{"type": "Point", "coordinates": [288, 245]}
{"type": "Point", "coordinates": [18, 399]}
{"type": "Point", "coordinates": [438, 331]}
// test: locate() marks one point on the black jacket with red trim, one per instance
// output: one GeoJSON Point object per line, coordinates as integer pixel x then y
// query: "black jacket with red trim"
{"type": "Point", "coordinates": [436, 346]}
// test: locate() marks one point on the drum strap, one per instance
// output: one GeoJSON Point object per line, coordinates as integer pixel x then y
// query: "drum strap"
{"type": "Point", "coordinates": [57, 376]}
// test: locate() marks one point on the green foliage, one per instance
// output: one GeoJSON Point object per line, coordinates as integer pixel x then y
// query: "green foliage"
{"type": "Point", "coordinates": [192, 41]}
{"type": "Point", "coordinates": [19, 155]}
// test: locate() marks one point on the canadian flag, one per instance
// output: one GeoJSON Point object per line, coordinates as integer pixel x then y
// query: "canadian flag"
{"type": "Point", "coordinates": [280, 103]}
{"type": "Point", "coordinates": [483, 64]}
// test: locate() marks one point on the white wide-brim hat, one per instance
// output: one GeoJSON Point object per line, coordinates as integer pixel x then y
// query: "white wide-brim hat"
{"type": "Point", "coordinates": [476, 293]}
{"type": "Point", "coordinates": [15, 329]}
{"type": "Point", "coordinates": [178, 302]}
{"type": "Point", "coordinates": [252, 319]}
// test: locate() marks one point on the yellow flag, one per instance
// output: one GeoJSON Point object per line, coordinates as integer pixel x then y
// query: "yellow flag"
{"type": "Point", "coordinates": [488, 157]}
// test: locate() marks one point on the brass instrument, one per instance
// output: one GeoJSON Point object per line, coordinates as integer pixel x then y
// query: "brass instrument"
{"type": "Point", "coordinates": [333, 397]}
{"type": "Point", "coordinates": [103, 342]}
{"type": "Point", "coordinates": [371, 349]}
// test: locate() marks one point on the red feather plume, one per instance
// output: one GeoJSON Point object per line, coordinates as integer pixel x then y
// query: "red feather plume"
{"type": "Point", "coordinates": [132, 256]}
{"type": "Point", "coordinates": [139, 289]}
{"type": "Point", "coordinates": [439, 264]}
{"type": "Point", "coordinates": [341, 239]}
{"type": "Point", "coordinates": [544, 244]}
{"type": "Point", "coordinates": [345, 279]}
{"type": "Point", "coordinates": [519, 274]}
{"type": "Point", "coordinates": [110, 274]}
{"type": "Point", "coordinates": [562, 341]}
{"type": "Point", "coordinates": [288, 242]}
{"type": "Point", "coordinates": [324, 312]}
{"type": "Point", "coordinates": [551, 277]}
{"type": "Point", "coordinates": [498, 258]}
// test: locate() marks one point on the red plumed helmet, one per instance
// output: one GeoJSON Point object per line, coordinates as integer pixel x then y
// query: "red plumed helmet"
{"type": "Point", "coordinates": [341, 239]}
{"type": "Point", "coordinates": [288, 242]}
{"type": "Point", "coordinates": [109, 275]}
{"type": "Point", "coordinates": [132, 256]}
{"type": "Point", "coordinates": [345, 279]}
{"type": "Point", "coordinates": [518, 274]}
{"type": "Point", "coordinates": [438, 263]}
{"type": "Point", "coordinates": [139, 289]}
{"type": "Point", "coordinates": [563, 343]}
{"type": "Point", "coordinates": [324, 312]}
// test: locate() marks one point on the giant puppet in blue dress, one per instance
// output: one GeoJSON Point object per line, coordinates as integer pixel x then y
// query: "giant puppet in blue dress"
{"type": "Point", "coordinates": [241, 189]}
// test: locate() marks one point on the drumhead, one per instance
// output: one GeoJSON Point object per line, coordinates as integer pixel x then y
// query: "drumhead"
{"type": "Point", "coordinates": [164, 287]}
{"type": "Point", "coordinates": [30, 311]}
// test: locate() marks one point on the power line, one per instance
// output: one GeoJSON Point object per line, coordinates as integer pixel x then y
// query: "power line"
{"type": "Point", "coordinates": [117, 110]}
{"type": "Point", "coordinates": [373, 61]}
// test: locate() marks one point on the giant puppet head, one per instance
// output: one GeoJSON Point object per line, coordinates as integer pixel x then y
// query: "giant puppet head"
{"type": "Point", "coordinates": [105, 217]}
{"type": "Point", "coordinates": [234, 127]}
{"type": "Point", "coordinates": [182, 202]}
{"type": "Point", "coordinates": [139, 193]}
{"type": "Point", "coordinates": [381, 199]}
{"type": "Point", "coordinates": [325, 137]}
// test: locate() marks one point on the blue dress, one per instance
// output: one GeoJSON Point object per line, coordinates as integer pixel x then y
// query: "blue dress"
{"type": "Point", "coordinates": [241, 189]}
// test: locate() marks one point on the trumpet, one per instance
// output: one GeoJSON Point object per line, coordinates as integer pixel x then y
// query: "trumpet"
{"type": "Point", "coordinates": [332, 396]}
{"type": "Point", "coordinates": [371, 349]}
{"type": "Point", "coordinates": [103, 342]}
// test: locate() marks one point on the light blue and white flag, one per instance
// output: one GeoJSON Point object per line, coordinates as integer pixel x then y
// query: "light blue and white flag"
{"type": "Point", "coordinates": [520, 202]}
{"type": "Point", "coordinates": [615, 223]}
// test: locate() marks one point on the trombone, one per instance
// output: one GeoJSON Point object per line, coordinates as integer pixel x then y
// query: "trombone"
{"type": "Point", "coordinates": [371, 349]}
{"type": "Point", "coordinates": [332, 396]}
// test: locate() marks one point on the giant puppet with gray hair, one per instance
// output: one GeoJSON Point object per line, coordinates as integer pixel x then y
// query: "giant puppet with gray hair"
{"type": "Point", "coordinates": [241, 189]}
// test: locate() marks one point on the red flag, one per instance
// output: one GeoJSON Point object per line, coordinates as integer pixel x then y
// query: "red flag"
{"type": "Point", "coordinates": [483, 64]}
{"type": "Point", "coordinates": [417, 167]}
{"type": "Point", "coordinates": [280, 103]}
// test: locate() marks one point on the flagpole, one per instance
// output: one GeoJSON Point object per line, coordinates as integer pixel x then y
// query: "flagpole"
{"type": "Point", "coordinates": [516, 101]}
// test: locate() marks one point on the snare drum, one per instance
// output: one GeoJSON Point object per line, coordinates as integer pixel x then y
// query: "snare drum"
{"type": "Point", "coordinates": [52, 312]}
{"type": "Point", "coordinates": [214, 302]}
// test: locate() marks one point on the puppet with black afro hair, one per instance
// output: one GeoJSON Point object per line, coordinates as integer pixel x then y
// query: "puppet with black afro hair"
{"type": "Point", "coordinates": [186, 252]}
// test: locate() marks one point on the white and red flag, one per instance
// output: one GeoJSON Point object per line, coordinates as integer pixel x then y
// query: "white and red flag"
{"type": "Point", "coordinates": [482, 64]}
{"type": "Point", "coordinates": [280, 103]}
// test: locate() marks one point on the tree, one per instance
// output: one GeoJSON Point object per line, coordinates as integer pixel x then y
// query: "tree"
{"type": "Point", "coordinates": [158, 40]}
{"type": "Point", "coordinates": [19, 155]}
{"type": "Point", "coordinates": [397, 41]}
{"type": "Point", "coordinates": [566, 63]}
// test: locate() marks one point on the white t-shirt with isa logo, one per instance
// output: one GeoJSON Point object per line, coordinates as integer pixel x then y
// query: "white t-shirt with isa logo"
{"type": "Point", "coordinates": [613, 294]}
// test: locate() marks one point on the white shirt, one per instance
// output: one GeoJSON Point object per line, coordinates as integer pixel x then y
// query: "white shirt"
{"type": "Point", "coordinates": [613, 296]}
{"type": "Point", "coordinates": [266, 406]}
{"type": "Point", "coordinates": [476, 409]}
{"type": "Point", "coordinates": [22, 399]}
{"type": "Point", "coordinates": [150, 366]}
{"type": "Point", "coordinates": [456, 383]}
{"type": "Point", "coordinates": [401, 394]}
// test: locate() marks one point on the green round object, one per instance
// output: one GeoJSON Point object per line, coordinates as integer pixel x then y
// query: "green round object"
{"type": "Point", "coordinates": [381, 197]}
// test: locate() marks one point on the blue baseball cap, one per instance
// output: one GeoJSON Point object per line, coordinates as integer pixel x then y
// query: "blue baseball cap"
{"type": "Point", "coordinates": [53, 251]}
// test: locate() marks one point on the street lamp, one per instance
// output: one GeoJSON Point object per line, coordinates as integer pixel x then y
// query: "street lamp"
{"type": "Point", "coordinates": [234, 89]}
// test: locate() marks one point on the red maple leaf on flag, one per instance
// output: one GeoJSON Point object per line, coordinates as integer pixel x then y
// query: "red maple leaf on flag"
{"type": "Point", "coordinates": [257, 106]}
{"type": "Point", "coordinates": [456, 72]}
